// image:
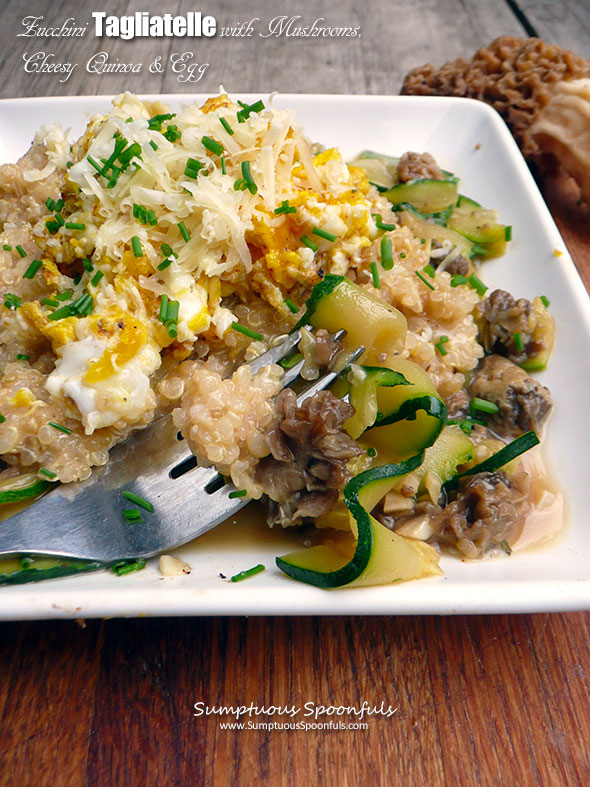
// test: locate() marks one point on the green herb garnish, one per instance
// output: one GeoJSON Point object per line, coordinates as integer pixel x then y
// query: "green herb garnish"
{"type": "Point", "coordinates": [424, 281]}
{"type": "Point", "coordinates": [186, 236]}
{"type": "Point", "coordinates": [212, 146]}
{"type": "Point", "coordinates": [284, 208]}
{"type": "Point", "coordinates": [309, 243]}
{"type": "Point", "coordinates": [236, 326]}
{"type": "Point", "coordinates": [32, 269]}
{"type": "Point", "coordinates": [140, 501]}
{"type": "Point", "coordinates": [483, 406]}
{"type": "Point", "coordinates": [375, 275]}
{"type": "Point", "coordinates": [386, 253]}
{"type": "Point", "coordinates": [323, 234]}
{"type": "Point", "coordinates": [60, 427]}
{"type": "Point", "coordinates": [136, 246]}
{"type": "Point", "coordinates": [237, 493]}
{"type": "Point", "coordinates": [226, 126]}
{"type": "Point", "coordinates": [248, 573]}
{"type": "Point", "coordinates": [127, 567]}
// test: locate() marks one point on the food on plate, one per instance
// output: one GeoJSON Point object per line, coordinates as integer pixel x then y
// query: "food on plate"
{"type": "Point", "coordinates": [143, 265]}
{"type": "Point", "coordinates": [542, 91]}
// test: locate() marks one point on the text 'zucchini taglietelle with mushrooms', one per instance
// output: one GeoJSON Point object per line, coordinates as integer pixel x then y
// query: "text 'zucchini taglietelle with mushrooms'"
{"type": "Point", "coordinates": [144, 264]}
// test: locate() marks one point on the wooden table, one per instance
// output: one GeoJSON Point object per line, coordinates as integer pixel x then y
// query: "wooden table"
{"type": "Point", "coordinates": [480, 700]}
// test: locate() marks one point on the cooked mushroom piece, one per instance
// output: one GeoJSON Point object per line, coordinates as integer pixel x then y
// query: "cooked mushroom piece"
{"type": "Point", "coordinates": [488, 512]}
{"type": "Point", "coordinates": [309, 451]}
{"type": "Point", "coordinates": [519, 329]}
{"type": "Point", "coordinates": [523, 402]}
{"type": "Point", "coordinates": [414, 166]}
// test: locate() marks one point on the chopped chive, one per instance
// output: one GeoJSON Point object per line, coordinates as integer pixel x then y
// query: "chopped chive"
{"type": "Point", "coordinates": [309, 243]}
{"type": "Point", "coordinates": [424, 281]}
{"type": "Point", "coordinates": [7, 247]}
{"type": "Point", "coordinates": [153, 144]}
{"type": "Point", "coordinates": [77, 280]}
{"type": "Point", "coordinates": [248, 573]}
{"type": "Point", "coordinates": [371, 451]}
{"type": "Point", "coordinates": [21, 251]}
{"type": "Point", "coordinates": [87, 265]}
{"type": "Point", "coordinates": [129, 120]}
{"type": "Point", "coordinates": [223, 168]}
{"type": "Point", "coordinates": [508, 233]}
{"type": "Point", "coordinates": [59, 219]}
{"type": "Point", "coordinates": [11, 301]}
{"type": "Point", "coordinates": [378, 219]}
{"type": "Point", "coordinates": [64, 296]}
{"type": "Point", "coordinates": [323, 234]}
{"type": "Point", "coordinates": [128, 567]}
{"type": "Point", "coordinates": [237, 493]}
{"type": "Point", "coordinates": [172, 133]}
{"type": "Point", "coordinates": [48, 473]}
{"type": "Point", "coordinates": [246, 331]}
{"type": "Point", "coordinates": [2, 418]}
{"type": "Point", "coordinates": [59, 205]}
{"type": "Point", "coordinates": [50, 203]}
{"type": "Point", "coordinates": [518, 341]}
{"type": "Point", "coordinates": [165, 264]}
{"type": "Point", "coordinates": [477, 284]}
{"type": "Point", "coordinates": [132, 515]}
{"type": "Point", "coordinates": [32, 269]}
{"type": "Point", "coordinates": [402, 255]}
{"type": "Point", "coordinates": [291, 360]}
{"type": "Point", "coordinates": [167, 249]}
{"type": "Point", "coordinates": [75, 225]}
{"type": "Point", "coordinates": [244, 113]}
{"type": "Point", "coordinates": [440, 345]}
{"type": "Point", "coordinates": [155, 122]}
{"type": "Point", "coordinates": [94, 164]}
{"type": "Point", "coordinates": [246, 181]}
{"type": "Point", "coordinates": [60, 427]}
{"type": "Point", "coordinates": [212, 146]}
{"type": "Point", "coordinates": [226, 126]}
{"type": "Point", "coordinates": [172, 311]}
{"type": "Point", "coordinates": [284, 207]}
{"type": "Point", "coordinates": [140, 501]}
{"type": "Point", "coordinates": [386, 253]}
{"type": "Point", "coordinates": [186, 236]}
{"type": "Point", "coordinates": [152, 218]}
{"type": "Point", "coordinates": [375, 275]}
{"type": "Point", "coordinates": [483, 406]}
{"type": "Point", "coordinates": [457, 279]}
{"type": "Point", "coordinates": [136, 245]}
{"type": "Point", "coordinates": [52, 226]}
{"type": "Point", "coordinates": [545, 301]}
{"type": "Point", "coordinates": [96, 278]}
{"type": "Point", "coordinates": [50, 302]}
{"type": "Point", "coordinates": [192, 167]}
{"type": "Point", "coordinates": [69, 164]}
{"type": "Point", "coordinates": [163, 308]}
{"type": "Point", "coordinates": [429, 269]}
{"type": "Point", "coordinates": [22, 357]}
{"type": "Point", "coordinates": [291, 306]}
{"type": "Point", "coordinates": [172, 331]}
{"type": "Point", "coordinates": [503, 543]}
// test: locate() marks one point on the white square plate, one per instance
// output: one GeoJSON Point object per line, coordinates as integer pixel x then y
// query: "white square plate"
{"type": "Point", "coordinates": [470, 139]}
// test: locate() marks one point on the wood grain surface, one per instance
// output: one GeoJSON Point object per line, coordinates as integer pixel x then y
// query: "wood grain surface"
{"type": "Point", "coordinates": [483, 700]}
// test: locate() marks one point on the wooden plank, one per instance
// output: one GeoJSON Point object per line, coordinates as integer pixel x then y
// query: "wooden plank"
{"type": "Point", "coordinates": [392, 40]}
{"type": "Point", "coordinates": [47, 700]}
{"type": "Point", "coordinates": [560, 22]}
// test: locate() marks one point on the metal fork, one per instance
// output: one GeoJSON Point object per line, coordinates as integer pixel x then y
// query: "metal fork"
{"type": "Point", "coordinates": [84, 520]}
